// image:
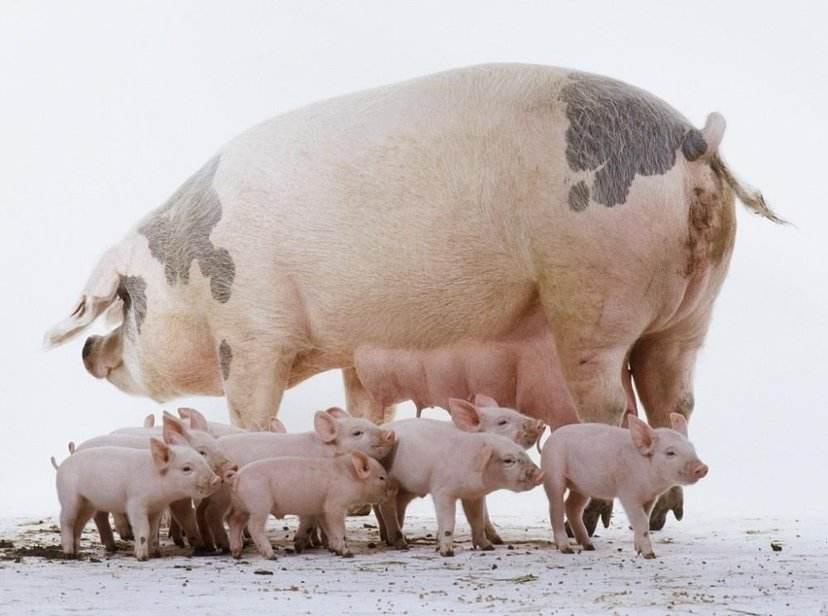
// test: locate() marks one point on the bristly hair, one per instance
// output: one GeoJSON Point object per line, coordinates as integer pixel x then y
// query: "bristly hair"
{"type": "Point", "coordinates": [751, 198]}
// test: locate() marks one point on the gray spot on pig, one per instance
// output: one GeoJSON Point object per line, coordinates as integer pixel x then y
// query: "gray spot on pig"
{"type": "Point", "coordinates": [618, 131]}
{"type": "Point", "coordinates": [694, 145]}
{"type": "Point", "coordinates": [225, 357]}
{"type": "Point", "coordinates": [579, 197]}
{"type": "Point", "coordinates": [143, 540]}
{"type": "Point", "coordinates": [447, 533]}
{"type": "Point", "coordinates": [686, 404]}
{"type": "Point", "coordinates": [179, 233]}
{"type": "Point", "coordinates": [133, 292]}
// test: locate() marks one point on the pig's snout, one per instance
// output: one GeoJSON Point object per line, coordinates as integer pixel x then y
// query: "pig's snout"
{"type": "Point", "coordinates": [229, 473]}
{"type": "Point", "coordinates": [215, 482]}
{"type": "Point", "coordinates": [700, 471]}
{"type": "Point", "coordinates": [388, 437]}
{"type": "Point", "coordinates": [88, 358]}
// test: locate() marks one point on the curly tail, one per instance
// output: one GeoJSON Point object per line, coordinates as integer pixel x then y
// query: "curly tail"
{"type": "Point", "coordinates": [54, 463]}
{"type": "Point", "coordinates": [750, 198]}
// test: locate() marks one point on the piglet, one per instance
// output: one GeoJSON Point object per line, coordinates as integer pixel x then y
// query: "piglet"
{"type": "Point", "coordinates": [140, 484]}
{"type": "Point", "coordinates": [319, 488]}
{"type": "Point", "coordinates": [635, 465]}
{"type": "Point", "coordinates": [434, 457]}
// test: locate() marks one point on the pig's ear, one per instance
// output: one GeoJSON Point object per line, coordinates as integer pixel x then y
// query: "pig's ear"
{"type": "Point", "coordinates": [325, 426]}
{"type": "Point", "coordinates": [161, 454]}
{"type": "Point", "coordinates": [337, 412]}
{"type": "Point", "coordinates": [149, 421]}
{"type": "Point", "coordinates": [173, 431]}
{"type": "Point", "coordinates": [679, 423]}
{"type": "Point", "coordinates": [277, 426]}
{"type": "Point", "coordinates": [361, 464]}
{"type": "Point", "coordinates": [464, 415]}
{"type": "Point", "coordinates": [484, 456]}
{"type": "Point", "coordinates": [197, 420]}
{"type": "Point", "coordinates": [100, 292]}
{"type": "Point", "coordinates": [642, 435]}
{"type": "Point", "coordinates": [485, 401]}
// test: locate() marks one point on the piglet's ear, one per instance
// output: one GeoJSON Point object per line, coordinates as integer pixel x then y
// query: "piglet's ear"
{"type": "Point", "coordinates": [161, 454]}
{"type": "Point", "coordinates": [485, 401]}
{"type": "Point", "coordinates": [679, 423]}
{"type": "Point", "coordinates": [197, 420]}
{"type": "Point", "coordinates": [173, 431]}
{"type": "Point", "coordinates": [464, 414]}
{"type": "Point", "coordinates": [337, 412]}
{"type": "Point", "coordinates": [642, 435]}
{"type": "Point", "coordinates": [483, 457]}
{"type": "Point", "coordinates": [149, 421]}
{"type": "Point", "coordinates": [277, 426]}
{"type": "Point", "coordinates": [325, 426]}
{"type": "Point", "coordinates": [361, 464]}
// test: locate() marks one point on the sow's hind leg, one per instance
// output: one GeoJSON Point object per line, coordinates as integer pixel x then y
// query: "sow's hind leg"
{"type": "Point", "coordinates": [662, 367]}
{"type": "Point", "coordinates": [360, 403]}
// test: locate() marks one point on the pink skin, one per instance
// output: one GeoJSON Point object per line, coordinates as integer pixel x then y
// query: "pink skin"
{"type": "Point", "coordinates": [434, 457]}
{"type": "Point", "coordinates": [636, 465]}
{"type": "Point", "coordinates": [335, 432]}
{"type": "Point", "coordinates": [136, 483]}
{"type": "Point", "coordinates": [183, 515]}
{"type": "Point", "coordinates": [319, 488]}
{"type": "Point", "coordinates": [194, 420]}
{"type": "Point", "coordinates": [521, 369]}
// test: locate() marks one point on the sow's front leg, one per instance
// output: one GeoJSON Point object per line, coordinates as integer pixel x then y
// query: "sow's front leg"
{"type": "Point", "coordinates": [662, 367]}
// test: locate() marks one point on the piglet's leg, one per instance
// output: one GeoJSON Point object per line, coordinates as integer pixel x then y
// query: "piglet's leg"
{"type": "Point", "coordinates": [256, 526]}
{"type": "Point", "coordinates": [333, 523]}
{"type": "Point", "coordinates": [238, 519]}
{"type": "Point", "coordinates": [105, 530]}
{"type": "Point", "coordinates": [555, 488]}
{"type": "Point", "coordinates": [69, 513]}
{"type": "Point", "coordinates": [184, 514]}
{"type": "Point", "coordinates": [446, 509]}
{"type": "Point", "coordinates": [123, 527]}
{"type": "Point", "coordinates": [491, 532]}
{"type": "Point", "coordinates": [305, 532]}
{"type": "Point", "coordinates": [155, 524]}
{"type": "Point", "coordinates": [640, 520]}
{"type": "Point", "coordinates": [215, 509]}
{"type": "Point", "coordinates": [393, 533]}
{"type": "Point", "coordinates": [475, 510]}
{"type": "Point", "coordinates": [139, 520]}
{"type": "Point", "coordinates": [575, 504]}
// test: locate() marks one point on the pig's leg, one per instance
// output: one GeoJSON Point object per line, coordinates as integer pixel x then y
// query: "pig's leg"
{"type": "Point", "coordinates": [216, 508]}
{"type": "Point", "coordinates": [237, 520]}
{"type": "Point", "coordinates": [123, 527]}
{"type": "Point", "coordinates": [139, 520]}
{"type": "Point", "coordinates": [256, 525]}
{"type": "Point", "coordinates": [575, 504]}
{"type": "Point", "coordinates": [491, 532]}
{"type": "Point", "coordinates": [85, 513]}
{"type": "Point", "coordinates": [305, 532]}
{"type": "Point", "coordinates": [333, 523]}
{"type": "Point", "coordinates": [639, 519]}
{"type": "Point", "coordinates": [446, 508]}
{"type": "Point", "coordinates": [70, 513]}
{"type": "Point", "coordinates": [203, 527]}
{"type": "Point", "coordinates": [475, 510]}
{"type": "Point", "coordinates": [555, 488]}
{"type": "Point", "coordinates": [256, 379]}
{"type": "Point", "coordinates": [403, 500]}
{"type": "Point", "coordinates": [662, 367]}
{"type": "Point", "coordinates": [381, 525]}
{"type": "Point", "coordinates": [175, 533]}
{"type": "Point", "coordinates": [393, 535]}
{"type": "Point", "coordinates": [184, 515]}
{"type": "Point", "coordinates": [360, 403]}
{"type": "Point", "coordinates": [155, 532]}
{"type": "Point", "coordinates": [105, 530]}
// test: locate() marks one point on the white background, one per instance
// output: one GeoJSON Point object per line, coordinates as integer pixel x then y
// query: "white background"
{"type": "Point", "coordinates": [106, 107]}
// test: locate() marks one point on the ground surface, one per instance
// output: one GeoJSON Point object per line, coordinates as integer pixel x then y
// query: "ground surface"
{"type": "Point", "coordinates": [732, 566]}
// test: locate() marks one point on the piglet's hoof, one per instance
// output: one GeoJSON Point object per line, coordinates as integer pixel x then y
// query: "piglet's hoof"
{"type": "Point", "coordinates": [447, 553]}
{"type": "Point", "coordinates": [494, 538]}
{"type": "Point", "coordinates": [347, 554]}
{"type": "Point", "coordinates": [202, 550]}
{"type": "Point", "coordinates": [588, 547]}
{"type": "Point", "coordinates": [597, 509]}
{"type": "Point", "coordinates": [648, 555]}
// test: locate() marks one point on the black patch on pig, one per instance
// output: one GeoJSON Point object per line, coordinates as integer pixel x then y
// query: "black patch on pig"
{"type": "Point", "coordinates": [447, 533]}
{"type": "Point", "coordinates": [133, 292]}
{"type": "Point", "coordinates": [143, 540]}
{"type": "Point", "coordinates": [579, 196]}
{"type": "Point", "coordinates": [179, 233]}
{"type": "Point", "coordinates": [618, 131]}
{"type": "Point", "coordinates": [225, 357]}
{"type": "Point", "coordinates": [694, 145]}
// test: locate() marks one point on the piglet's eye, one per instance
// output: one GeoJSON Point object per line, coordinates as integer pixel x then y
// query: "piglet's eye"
{"type": "Point", "coordinates": [670, 453]}
{"type": "Point", "coordinates": [502, 422]}
{"type": "Point", "coordinates": [202, 452]}
{"type": "Point", "coordinates": [187, 469]}
{"type": "Point", "coordinates": [508, 461]}
{"type": "Point", "coordinates": [357, 433]}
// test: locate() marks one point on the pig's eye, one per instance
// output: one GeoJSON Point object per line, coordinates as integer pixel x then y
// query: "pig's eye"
{"type": "Point", "coordinates": [357, 433]}
{"type": "Point", "coordinates": [508, 461]}
{"type": "Point", "coordinates": [382, 478]}
{"type": "Point", "coordinates": [202, 452]}
{"type": "Point", "coordinates": [502, 422]}
{"type": "Point", "coordinates": [187, 468]}
{"type": "Point", "coordinates": [670, 453]}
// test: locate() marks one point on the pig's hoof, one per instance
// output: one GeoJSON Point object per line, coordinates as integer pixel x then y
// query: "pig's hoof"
{"type": "Point", "coordinates": [401, 543]}
{"type": "Point", "coordinates": [565, 550]}
{"type": "Point", "coordinates": [347, 554]}
{"type": "Point", "coordinates": [178, 540]}
{"type": "Point", "coordinates": [447, 553]}
{"type": "Point", "coordinates": [494, 538]}
{"type": "Point", "coordinates": [142, 558]}
{"type": "Point", "coordinates": [588, 547]}
{"type": "Point", "coordinates": [111, 549]}
{"type": "Point", "coordinates": [648, 555]}
{"type": "Point", "coordinates": [486, 548]}
{"type": "Point", "coordinates": [236, 555]}
{"type": "Point", "coordinates": [69, 556]}
{"type": "Point", "coordinates": [203, 550]}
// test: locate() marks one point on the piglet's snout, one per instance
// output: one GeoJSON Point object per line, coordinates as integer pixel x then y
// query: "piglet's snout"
{"type": "Point", "coordinates": [694, 471]}
{"type": "Point", "coordinates": [700, 471]}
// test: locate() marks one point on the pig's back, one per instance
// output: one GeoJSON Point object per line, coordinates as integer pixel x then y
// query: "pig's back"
{"type": "Point", "coordinates": [296, 485]}
{"type": "Point", "coordinates": [252, 446]}
{"type": "Point", "coordinates": [102, 475]}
